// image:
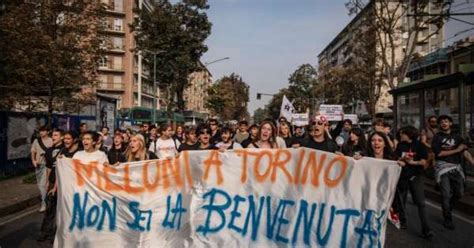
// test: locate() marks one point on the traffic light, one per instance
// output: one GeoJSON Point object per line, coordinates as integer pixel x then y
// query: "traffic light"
{"type": "Point", "coordinates": [259, 96]}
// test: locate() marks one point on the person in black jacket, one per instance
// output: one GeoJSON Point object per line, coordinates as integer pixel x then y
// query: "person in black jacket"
{"type": "Point", "coordinates": [48, 226]}
{"type": "Point", "coordinates": [319, 139]}
{"type": "Point", "coordinates": [116, 153]}
{"type": "Point", "coordinates": [356, 146]}
{"type": "Point", "coordinates": [413, 155]}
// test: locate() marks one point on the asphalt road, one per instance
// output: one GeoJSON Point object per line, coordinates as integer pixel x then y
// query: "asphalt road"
{"type": "Point", "coordinates": [21, 230]}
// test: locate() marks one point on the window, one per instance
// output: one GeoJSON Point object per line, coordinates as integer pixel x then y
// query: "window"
{"type": "Point", "coordinates": [117, 43]}
{"type": "Point", "coordinates": [118, 24]}
{"type": "Point", "coordinates": [118, 82]}
{"type": "Point", "coordinates": [103, 63]}
{"type": "Point", "coordinates": [117, 63]}
{"type": "Point", "coordinates": [408, 110]}
{"type": "Point", "coordinates": [103, 81]}
{"type": "Point", "coordinates": [118, 5]}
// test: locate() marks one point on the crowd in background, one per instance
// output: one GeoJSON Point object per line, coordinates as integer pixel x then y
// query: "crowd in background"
{"type": "Point", "coordinates": [436, 146]}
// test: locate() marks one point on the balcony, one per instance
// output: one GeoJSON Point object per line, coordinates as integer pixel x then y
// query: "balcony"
{"type": "Point", "coordinates": [109, 86]}
{"type": "Point", "coordinates": [115, 8]}
{"type": "Point", "coordinates": [111, 68]}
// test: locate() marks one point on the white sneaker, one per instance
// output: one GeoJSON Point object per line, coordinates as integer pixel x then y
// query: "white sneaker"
{"type": "Point", "coordinates": [43, 208]}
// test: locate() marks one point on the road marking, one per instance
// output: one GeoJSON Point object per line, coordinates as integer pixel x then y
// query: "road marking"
{"type": "Point", "coordinates": [26, 213]}
{"type": "Point", "coordinates": [454, 214]}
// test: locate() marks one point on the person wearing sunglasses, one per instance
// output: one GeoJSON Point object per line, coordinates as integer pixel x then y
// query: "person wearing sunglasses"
{"type": "Point", "coordinates": [204, 132]}
{"type": "Point", "coordinates": [319, 138]}
{"type": "Point", "coordinates": [215, 133]}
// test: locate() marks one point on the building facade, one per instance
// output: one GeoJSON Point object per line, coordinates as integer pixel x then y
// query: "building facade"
{"type": "Point", "coordinates": [196, 93]}
{"type": "Point", "coordinates": [121, 71]}
{"type": "Point", "coordinates": [441, 83]}
{"type": "Point", "coordinates": [338, 52]}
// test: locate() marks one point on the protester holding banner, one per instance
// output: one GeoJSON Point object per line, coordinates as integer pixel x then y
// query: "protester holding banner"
{"type": "Point", "coordinates": [204, 132]}
{"type": "Point", "coordinates": [266, 136]}
{"type": "Point", "coordinates": [116, 153]}
{"type": "Point", "coordinates": [38, 149]}
{"type": "Point", "coordinates": [319, 138]}
{"type": "Point", "coordinates": [165, 147]}
{"type": "Point", "coordinates": [227, 142]}
{"type": "Point", "coordinates": [48, 227]}
{"type": "Point", "coordinates": [413, 155]}
{"type": "Point", "coordinates": [379, 146]}
{"type": "Point", "coordinates": [191, 140]}
{"type": "Point", "coordinates": [137, 151]}
{"type": "Point", "coordinates": [356, 145]}
{"type": "Point", "coordinates": [90, 153]}
{"type": "Point", "coordinates": [253, 131]}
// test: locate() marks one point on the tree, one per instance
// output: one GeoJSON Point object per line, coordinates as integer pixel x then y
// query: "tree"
{"type": "Point", "coordinates": [228, 98]}
{"type": "Point", "coordinates": [176, 32]}
{"type": "Point", "coordinates": [51, 50]}
{"type": "Point", "coordinates": [398, 26]}
{"type": "Point", "coordinates": [259, 115]}
{"type": "Point", "coordinates": [302, 85]}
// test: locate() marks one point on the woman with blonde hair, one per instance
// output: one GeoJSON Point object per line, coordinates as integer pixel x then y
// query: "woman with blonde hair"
{"type": "Point", "coordinates": [136, 151]}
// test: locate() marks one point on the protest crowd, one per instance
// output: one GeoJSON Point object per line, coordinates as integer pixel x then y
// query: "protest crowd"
{"type": "Point", "coordinates": [435, 146]}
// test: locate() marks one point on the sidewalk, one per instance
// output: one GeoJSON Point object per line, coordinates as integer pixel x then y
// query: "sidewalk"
{"type": "Point", "coordinates": [16, 195]}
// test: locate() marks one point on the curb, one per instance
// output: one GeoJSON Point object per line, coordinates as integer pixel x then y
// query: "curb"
{"type": "Point", "coordinates": [19, 206]}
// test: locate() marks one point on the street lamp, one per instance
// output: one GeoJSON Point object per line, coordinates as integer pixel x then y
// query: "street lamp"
{"type": "Point", "coordinates": [215, 61]}
{"type": "Point", "coordinates": [154, 81]}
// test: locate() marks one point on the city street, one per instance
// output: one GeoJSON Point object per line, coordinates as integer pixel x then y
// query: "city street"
{"type": "Point", "coordinates": [21, 230]}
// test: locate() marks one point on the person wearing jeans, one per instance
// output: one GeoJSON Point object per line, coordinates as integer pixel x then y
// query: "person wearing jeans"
{"type": "Point", "coordinates": [38, 149]}
{"type": "Point", "coordinates": [448, 149]}
{"type": "Point", "coordinates": [412, 155]}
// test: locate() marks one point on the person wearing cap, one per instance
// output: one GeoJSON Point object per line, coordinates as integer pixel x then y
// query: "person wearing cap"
{"type": "Point", "coordinates": [448, 149]}
{"type": "Point", "coordinates": [38, 150]}
{"type": "Point", "coordinates": [319, 138]}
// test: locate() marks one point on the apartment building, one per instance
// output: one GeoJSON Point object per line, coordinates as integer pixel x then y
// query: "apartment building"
{"type": "Point", "coordinates": [337, 52]}
{"type": "Point", "coordinates": [122, 73]}
{"type": "Point", "coordinates": [195, 94]}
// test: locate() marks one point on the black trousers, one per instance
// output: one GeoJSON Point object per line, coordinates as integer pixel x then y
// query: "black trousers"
{"type": "Point", "coordinates": [48, 227]}
{"type": "Point", "coordinates": [452, 189]}
{"type": "Point", "coordinates": [415, 185]}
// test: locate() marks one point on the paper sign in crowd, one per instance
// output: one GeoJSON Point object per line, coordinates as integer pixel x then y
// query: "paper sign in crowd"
{"type": "Point", "coordinates": [240, 198]}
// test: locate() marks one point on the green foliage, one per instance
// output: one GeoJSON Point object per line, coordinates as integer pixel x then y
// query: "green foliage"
{"type": "Point", "coordinates": [259, 115]}
{"type": "Point", "coordinates": [301, 90]}
{"type": "Point", "coordinates": [228, 98]}
{"type": "Point", "coordinates": [176, 32]}
{"type": "Point", "coordinates": [50, 51]}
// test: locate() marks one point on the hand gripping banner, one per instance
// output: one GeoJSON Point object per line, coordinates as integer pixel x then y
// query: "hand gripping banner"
{"type": "Point", "coordinates": [240, 198]}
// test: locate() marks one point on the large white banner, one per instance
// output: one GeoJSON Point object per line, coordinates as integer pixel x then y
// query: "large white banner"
{"type": "Point", "coordinates": [242, 198]}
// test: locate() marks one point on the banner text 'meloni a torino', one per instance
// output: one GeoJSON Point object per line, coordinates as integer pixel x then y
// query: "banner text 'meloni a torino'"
{"type": "Point", "coordinates": [245, 197]}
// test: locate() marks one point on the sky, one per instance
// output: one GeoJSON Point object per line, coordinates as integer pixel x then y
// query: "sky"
{"type": "Point", "coordinates": [267, 40]}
